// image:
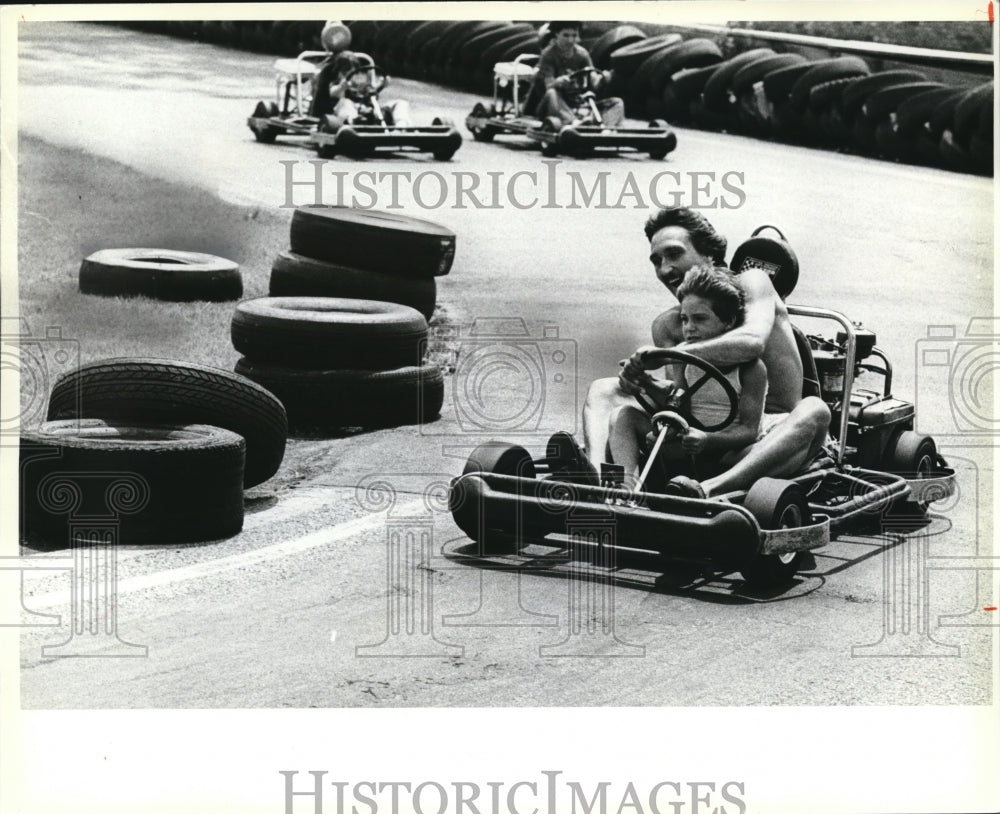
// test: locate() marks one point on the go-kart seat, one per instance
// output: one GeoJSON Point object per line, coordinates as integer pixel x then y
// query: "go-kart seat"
{"type": "Point", "coordinates": [810, 375]}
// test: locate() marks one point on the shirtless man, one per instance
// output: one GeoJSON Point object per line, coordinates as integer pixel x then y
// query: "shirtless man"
{"type": "Point", "coordinates": [795, 428]}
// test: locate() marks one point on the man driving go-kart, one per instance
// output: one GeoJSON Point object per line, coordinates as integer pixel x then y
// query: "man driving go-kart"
{"type": "Point", "coordinates": [680, 239]}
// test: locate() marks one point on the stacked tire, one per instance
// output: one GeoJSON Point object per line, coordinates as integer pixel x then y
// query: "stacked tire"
{"type": "Point", "coordinates": [342, 337]}
{"type": "Point", "coordinates": [157, 449]}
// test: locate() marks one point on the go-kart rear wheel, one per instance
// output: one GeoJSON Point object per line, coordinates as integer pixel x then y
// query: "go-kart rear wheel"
{"type": "Point", "coordinates": [667, 145]}
{"type": "Point", "coordinates": [775, 504]}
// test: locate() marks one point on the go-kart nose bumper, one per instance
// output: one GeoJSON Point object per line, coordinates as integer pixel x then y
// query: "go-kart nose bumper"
{"type": "Point", "coordinates": [665, 525]}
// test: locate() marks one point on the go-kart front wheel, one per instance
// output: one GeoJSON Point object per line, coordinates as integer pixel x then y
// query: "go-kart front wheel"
{"type": "Point", "coordinates": [498, 458]}
{"type": "Point", "coordinates": [483, 132]}
{"type": "Point", "coordinates": [551, 124]}
{"type": "Point", "coordinates": [911, 455]}
{"type": "Point", "coordinates": [775, 504]}
{"type": "Point", "coordinates": [668, 144]}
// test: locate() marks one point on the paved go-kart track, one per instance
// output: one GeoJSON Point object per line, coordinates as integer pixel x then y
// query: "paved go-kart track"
{"type": "Point", "coordinates": [295, 611]}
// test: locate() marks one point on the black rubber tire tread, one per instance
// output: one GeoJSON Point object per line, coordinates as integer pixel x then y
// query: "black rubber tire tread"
{"type": "Point", "coordinates": [293, 275]}
{"type": "Point", "coordinates": [388, 36]}
{"type": "Point", "coordinates": [688, 84]}
{"type": "Point", "coordinates": [161, 274]}
{"type": "Point", "coordinates": [329, 333]}
{"type": "Point", "coordinates": [495, 53]}
{"type": "Point", "coordinates": [467, 55]}
{"type": "Point", "coordinates": [419, 36]}
{"type": "Point", "coordinates": [190, 480]}
{"type": "Point", "coordinates": [649, 71]}
{"type": "Point", "coordinates": [610, 41]}
{"type": "Point", "coordinates": [913, 113]}
{"type": "Point", "coordinates": [824, 71]}
{"type": "Point", "coordinates": [529, 45]}
{"type": "Point", "coordinates": [715, 94]}
{"type": "Point", "coordinates": [882, 102]}
{"type": "Point", "coordinates": [386, 242]}
{"type": "Point", "coordinates": [827, 94]}
{"type": "Point", "coordinates": [778, 83]}
{"type": "Point", "coordinates": [330, 399]}
{"type": "Point", "coordinates": [500, 458]}
{"type": "Point", "coordinates": [625, 61]}
{"type": "Point", "coordinates": [696, 53]}
{"type": "Point", "coordinates": [981, 153]}
{"type": "Point", "coordinates": [854, 96]}
{"type": "Point", "coordinates": [974, 109]}
{"type": "Point", "coordinates": [953, 155]}
{"type": "Point", "coordinates": [747, 76]}
{"type": "Point", "coordinates": [161, 391]}
{"type": "Point", "coordinates": [456, 37]}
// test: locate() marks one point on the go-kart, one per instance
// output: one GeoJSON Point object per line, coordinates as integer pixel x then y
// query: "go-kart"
{"type": "Point", "coordinates": [509, 114]}
{"type": "Point", "coordinates": [371, 130]}
{"type": "Point", "coordinates": [288, 115]}
{"type": "Point", "coordinates": [374, 128]}
{"type": "Point", "coordinates": [879, 465]}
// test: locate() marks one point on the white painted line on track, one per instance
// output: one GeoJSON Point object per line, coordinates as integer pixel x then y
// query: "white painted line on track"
{"type": "Point", "coordinates": [247, 558]}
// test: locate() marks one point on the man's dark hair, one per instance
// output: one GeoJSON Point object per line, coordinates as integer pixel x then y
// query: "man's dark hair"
{"type": "Point", "coordinates": [704, 238]}
{"type": "Point", "coordinates": [558, 25]}
{"type": "Point", "coordinates": [719, 287]}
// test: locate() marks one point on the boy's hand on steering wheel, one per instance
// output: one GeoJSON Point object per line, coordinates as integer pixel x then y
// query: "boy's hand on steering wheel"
{"type": "Point", "coordinates": [693, 441]}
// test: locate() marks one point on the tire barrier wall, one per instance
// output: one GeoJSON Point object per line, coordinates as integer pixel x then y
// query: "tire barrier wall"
{"type": "Point", "coordinates": [787, 88]}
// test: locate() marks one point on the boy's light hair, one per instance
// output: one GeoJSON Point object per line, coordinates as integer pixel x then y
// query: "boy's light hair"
{"type": "Point", "coordinates": [718, 286]}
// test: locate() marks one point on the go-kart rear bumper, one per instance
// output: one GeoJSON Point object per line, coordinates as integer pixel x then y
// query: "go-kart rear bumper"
{"type": "Point", "coordinates": [422, 138]}
{"type": "Point", "coordinates": [291, 126]}
{"type": "Point", "coordinates": [664, 525]}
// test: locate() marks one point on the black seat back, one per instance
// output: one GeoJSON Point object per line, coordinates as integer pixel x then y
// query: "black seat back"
{"type": "Point", "coordinates": [810, 376]}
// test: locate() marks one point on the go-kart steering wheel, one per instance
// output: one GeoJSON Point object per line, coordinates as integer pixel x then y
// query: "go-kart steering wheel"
{"type": "Point", "coordinates": [661, 356]}
{"type": "Point", "coordinates": [574, 78]}
{"type": "Point", "coordinates": [375, 87]}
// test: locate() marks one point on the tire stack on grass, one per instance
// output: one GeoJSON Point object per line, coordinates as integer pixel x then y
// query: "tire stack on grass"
{"type": "Point", "coordinates": [342, 336]}
{"type": "Point", "coordinates": [160, 449]}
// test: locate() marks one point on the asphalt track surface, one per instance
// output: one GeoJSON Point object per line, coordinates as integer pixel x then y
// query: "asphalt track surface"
{"type": "Point", "coordinates": [299, 611]}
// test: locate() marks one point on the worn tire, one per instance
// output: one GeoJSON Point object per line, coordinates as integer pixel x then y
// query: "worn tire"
{"type": "Point", "coordinates": [156, 484]}
{"type": "Point", "coordinates": [610, 41]}
{"type": "Point", "coordinates": [161, 274]}
{"type": "Point", "coordinates": [160, 391]}
{"type": "Point", "coordinates": [824, 71]}
{"type": "Point", "coordinates": [853, 96]}
{"type": "Point", "coordinates": [779, 82]}
{"type": "Point", "coordinates": [916, 111]}
{"type": "Point", "coordinates": [751, 73]}
{"type": "Point", "coordinates": [882, 102]}
{"type": "Point", "coordinates": [329, 333]}
{"type": "Point", "coordinates": [293, 275]}
{"type": "Point", "coordinates": [333, 399]}
{"type": "Point", "coordinates": [374, 241]}
{"type": "Point", "coordinates": [715, 94]}
{"type": "Point", "coordinates": [625, 61]}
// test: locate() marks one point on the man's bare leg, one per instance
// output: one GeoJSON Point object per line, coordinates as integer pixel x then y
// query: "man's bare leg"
{"type": "Point", "coordinates": [603, 398]}
{"type": "Point", "coordinates": [779, 453]}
